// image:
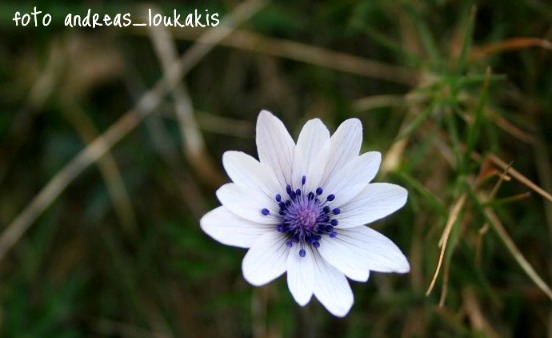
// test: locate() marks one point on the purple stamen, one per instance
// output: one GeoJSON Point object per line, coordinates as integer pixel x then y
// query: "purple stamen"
{"type": "Point", "coordinates": [304, 218]}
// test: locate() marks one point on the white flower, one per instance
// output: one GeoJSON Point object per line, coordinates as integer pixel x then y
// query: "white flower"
{"type": "Point", "coordinates": [302, 208]}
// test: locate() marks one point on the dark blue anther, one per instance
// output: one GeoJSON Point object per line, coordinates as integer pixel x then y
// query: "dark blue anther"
{"type": "Point", "coordinates": [330, 197]}
{"type": "Point", "coordinates": [292, 195]}
{"type": "Point", "coordinates": [289, 244]}
{"type": "Point", "coordinates": [327, 219]}
{"type": "Point", "coordinates": [336, 211]}
{"type": "Point", "coordinates": [334, 222]}
{"type": "Point", "coordinates": [278, 198]}
{"type": "Point", "coordinates": [298, 192]}
{"type": "Point", "coordinates": [281, 212]}
{"type": "Point", "coordinates": [303, 180]}
{"type": "Point", "coordinates": [316, 244]}
{"type": "Point", "coordinates": [319, 191]}
{"type": "Point", "coordinates": [302, 252]}
{"type": "Point", "coordinates": [311, 195]}
{"type": "Point", "coordinates": [326, 209]}
{"type": "Point", "coordinates": [282, 205]}
{"type": "Point", "coordinates": [328, 228]}
{"type": "Point", "coordinates": [265, 212]}
{"type": "Point", "coordinates": [333, 234]}
{"type": "Point", "coordinates": [288, 189]}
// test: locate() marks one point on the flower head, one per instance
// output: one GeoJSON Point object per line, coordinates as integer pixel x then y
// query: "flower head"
{"type": "Point", "coordinates": [302, 209]}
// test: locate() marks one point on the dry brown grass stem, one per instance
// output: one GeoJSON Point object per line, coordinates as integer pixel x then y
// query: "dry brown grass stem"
{"type": "Point", "coordinates": [245, 40]}
{"type": "Point", "coordinates": [193, 144]}
{"type": "Point", "coordinates": [226, 125]}
{"type": "Point", "coordinates": [444, 289]}
{"type": "Point", "coordinates": [518, 176]}
{"type": "Point", "coordinates": [107, 165]}
{"type": "Point", "coordinates": [518, 256]}
{"type": "Point", "coordinates": [543, 164]}
{"type": "Point", "coordinates": [475, 314]}
{"type": "Point", "coordinates": [453, 216]}
{"type": "Point", "coordinates": [510, 245]}
{"type": "Point", "coordinates": [486, 50]}
{"type": "Point", "coordinates": [61, 180]}
{"type": "Point", "coordinates": [149, 101]}
{"type": "Point", "coordinates": [509, 127]}
{"type": "Point", "coordinates": [379, 101]}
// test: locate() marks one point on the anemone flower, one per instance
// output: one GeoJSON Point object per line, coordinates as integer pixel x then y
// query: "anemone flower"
{"type": "Point", "coordinates": [302, 209]}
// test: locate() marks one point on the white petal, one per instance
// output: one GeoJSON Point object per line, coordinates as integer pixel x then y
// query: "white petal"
{"type": "Point", "coordinates": [342, 254]}
{"type": "Point", "coordinates": [275, 146]}
{"type": "Point", "coordinates": [363, 247]}
{"type": "Point", "coordinates": [332, 288]}
{"type": "Point", "coordinates": [266, 260]}
{"type": "Point", "coordinates": [230, 229]}
{"type": "Point", "coordinates": [300, 275]}
{"type": "Point", "coordinates": [348, 182]}
{"type": "Point", "coordinates": [345, 145]}
{"type": "Point", "coordinates": [247, 172]}
{"type": "Point", "coordinates": [376, 201]}
{"type": "Point", "coordinates": [311, 154]}
{"type": "Point", "coordinates": [247, 203]}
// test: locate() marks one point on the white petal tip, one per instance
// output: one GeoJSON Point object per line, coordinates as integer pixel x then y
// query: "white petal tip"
{"type": "Point", "coordinates": [353, 121]}
{"type": "Point", "coordinates": [399, 194]}
{"type": "Point", "coordinates": [251, 277]}
{"type": "Point", "coordinates": [265, 113]}
{"type": "Point", "coordinates": [265, 260]}
{"type": "Point", "coordinates": [404, 267]}
{"type": "Point", "coordinates": [377, 157]}
{"type": "Point", "coordinates": [227, 155]}
{"type": "Point", "coordinates": [302, 301]}
{"type": "Point", "coordinates": [206, 223]}
{"type": "Point", "coordinates": [403, 195]}
{"type": "Point", "coordinates": [401, 265]}
{"type": "Point", "coordinates": [340, 312]}
{"type": "Point", "coordinates": [251, 280]}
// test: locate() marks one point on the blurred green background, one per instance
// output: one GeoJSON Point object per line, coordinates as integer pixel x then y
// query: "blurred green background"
{"type": "Point", "coordinates": [455, 94]}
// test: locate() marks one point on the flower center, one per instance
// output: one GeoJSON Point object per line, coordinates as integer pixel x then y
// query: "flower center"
{"type": "Point", "coordinates": [302, 214]}
{"type": "Point", "coordinates": [304, 217]}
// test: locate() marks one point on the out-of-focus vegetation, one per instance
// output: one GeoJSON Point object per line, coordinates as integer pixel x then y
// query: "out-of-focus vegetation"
{"type": "Point", "coordinates": [456, 95]}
